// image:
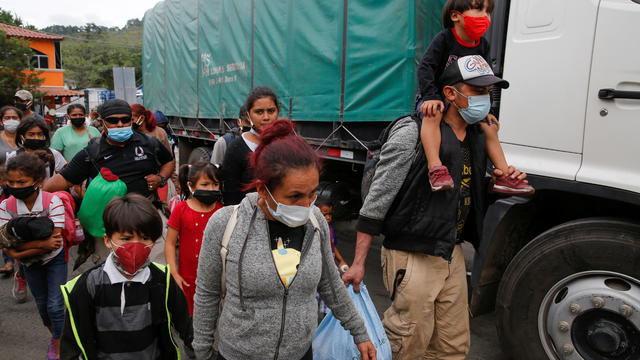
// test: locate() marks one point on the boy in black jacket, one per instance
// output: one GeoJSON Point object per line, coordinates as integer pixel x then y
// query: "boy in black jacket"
{"type": "Point", "coordinates": [125, 307]}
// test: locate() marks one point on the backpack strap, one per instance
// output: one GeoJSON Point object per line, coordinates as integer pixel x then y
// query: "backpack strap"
{"type": "Point", "coordinates": [224, 246]}
{"type": "Point", "coordinates": [47, 197]}
{"type": "Point", "coordinates": [93, 151]}
{"type": "Point", "coordinates": [12, 206]}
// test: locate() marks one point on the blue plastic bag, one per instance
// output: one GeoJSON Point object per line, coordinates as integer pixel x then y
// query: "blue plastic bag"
{"type": "Point", "coordinates": [333, 342]}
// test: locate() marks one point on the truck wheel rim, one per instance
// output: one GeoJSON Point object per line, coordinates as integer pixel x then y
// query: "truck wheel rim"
{"type": "Point", "coordinates": [591, 315]}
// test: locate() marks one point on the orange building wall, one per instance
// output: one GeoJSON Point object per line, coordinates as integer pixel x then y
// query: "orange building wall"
{"type": "Point", "coordinates": [53, 76]}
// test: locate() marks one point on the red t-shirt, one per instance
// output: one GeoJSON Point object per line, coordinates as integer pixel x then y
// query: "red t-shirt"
{"type": "Point", "coordinates": [190, 225]}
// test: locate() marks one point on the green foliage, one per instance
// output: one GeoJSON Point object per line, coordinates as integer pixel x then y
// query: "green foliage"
{"type": "Point", "coordinates": [6, 17]}
{"type": "Point", "coordinates": [90, 52]}
{"type": "Point", "coordinates": [14, 58]}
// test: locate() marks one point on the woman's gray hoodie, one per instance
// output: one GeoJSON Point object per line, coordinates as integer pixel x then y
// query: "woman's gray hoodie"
{"type": "Point", "coordinates": [260, 318]}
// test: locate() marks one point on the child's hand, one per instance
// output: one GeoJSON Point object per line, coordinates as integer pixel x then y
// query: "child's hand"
{"type": "Point", "coordinates": [432, 107]}
{"type": "Point", "coordinates": [493, 121]}
{"type": "Point", "coordinates": [180, 281]}
{"type": "Point", "coordinates": [54, 242]}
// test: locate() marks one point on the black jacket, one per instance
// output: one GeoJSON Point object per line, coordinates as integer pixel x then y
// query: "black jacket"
{"type": "Point", "coordinates": [236, 173]}
{"type": "Point", "coordinates": [443, 50]}
{"type": "Point", "coordinates": [420, 220]}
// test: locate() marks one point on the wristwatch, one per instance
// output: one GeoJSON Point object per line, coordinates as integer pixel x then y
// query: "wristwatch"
{"type": "Point", "coordinates": [163, 180]}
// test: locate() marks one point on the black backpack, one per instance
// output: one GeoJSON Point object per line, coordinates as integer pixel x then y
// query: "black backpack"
{"type": "Point", "coordinates": [373, 156]}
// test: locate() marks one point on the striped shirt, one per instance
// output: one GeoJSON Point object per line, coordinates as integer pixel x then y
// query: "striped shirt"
{"type": "Point", "coordinates": [55, 212]}
{"type": "Point", "coordinates": [124, 318]}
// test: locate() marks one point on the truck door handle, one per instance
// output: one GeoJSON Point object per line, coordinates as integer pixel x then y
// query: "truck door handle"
{"type": "Point", "coordinates": [608, 94]}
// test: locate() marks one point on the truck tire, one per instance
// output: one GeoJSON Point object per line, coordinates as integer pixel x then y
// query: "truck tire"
{"type": "Point", "coordinates": [200, 154]}
{"type": "Point", "coordinates": [573, 293]}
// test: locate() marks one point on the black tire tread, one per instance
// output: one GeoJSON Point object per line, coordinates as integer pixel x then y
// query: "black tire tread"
{"type": "Point", "coordinates": [576, 234]}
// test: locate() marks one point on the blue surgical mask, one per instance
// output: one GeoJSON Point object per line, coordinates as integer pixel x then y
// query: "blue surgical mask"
{"type": "Point", "coordinates": [121, 134]}
{"type": "Point", "coordinates": [478, 109]}
{"type": "Point", "coordinates": [290, 215]}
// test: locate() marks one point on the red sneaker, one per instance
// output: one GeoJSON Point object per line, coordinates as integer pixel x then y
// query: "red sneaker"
{"type": "Point", "coordinates": [439, 178]}
{"type": "Point", "coordinates": [509, 186]}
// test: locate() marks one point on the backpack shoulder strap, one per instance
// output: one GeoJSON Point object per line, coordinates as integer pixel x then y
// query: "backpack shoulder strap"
{"type": "Point", "coordinates": [12, 206]}
{"type": "Point", "coordinates": [314, 221]}
{"type": "Point", "coordinates": [46, 199]}
{"type": "Point", "coordinates": [224, 246]}
{"type": "Point", "coordinates": [93, 150]}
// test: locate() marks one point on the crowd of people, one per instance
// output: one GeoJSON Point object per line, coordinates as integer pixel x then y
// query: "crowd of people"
{"type": "Point", "coordinates": [248, 253]}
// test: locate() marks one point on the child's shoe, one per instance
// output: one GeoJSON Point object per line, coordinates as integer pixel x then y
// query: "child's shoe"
{"type": "Point", "coordinates": [54, 352]}
{"type": "Point", "coordinates": [439, 178]}
{"type": "Point", "coordinates": [507, 185]}
{"type": "Point", "coordinates": [19, 287]}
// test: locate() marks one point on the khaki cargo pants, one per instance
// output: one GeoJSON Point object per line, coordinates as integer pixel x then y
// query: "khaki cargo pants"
{"type": "Point", "coordinates": [429, 316]}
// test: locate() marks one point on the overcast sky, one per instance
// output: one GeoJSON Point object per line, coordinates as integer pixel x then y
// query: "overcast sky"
{"type": "Point", "coordinates": [41, 13]}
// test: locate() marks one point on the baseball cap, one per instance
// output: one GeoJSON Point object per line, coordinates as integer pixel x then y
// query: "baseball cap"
{"type": "Point", "coordinates": [472, 70]}
{"type": "Point", "coordinates": [24, 95]}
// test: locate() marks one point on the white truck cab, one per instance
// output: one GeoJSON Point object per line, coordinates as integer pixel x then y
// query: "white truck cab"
{"type": "Point", "coordinates": [560, 119]}
{"type": "Point", "coordinates": [563, 265]}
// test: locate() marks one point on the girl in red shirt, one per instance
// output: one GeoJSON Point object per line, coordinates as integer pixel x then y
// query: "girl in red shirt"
{"type": "Point", "coordinates": [201, 185]}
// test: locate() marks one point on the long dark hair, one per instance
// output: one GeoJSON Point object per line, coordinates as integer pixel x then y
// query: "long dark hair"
{"type": "Point", "coordinates": [44, 154]}
{"type": "Point", "coordinates": [4, 109]}
{"type": "Point", "coordinates": [191, 174]}
{"type": "Point", "coordinates": [29, 123]}
{"type": "Point", "coordinates": [258, 93]}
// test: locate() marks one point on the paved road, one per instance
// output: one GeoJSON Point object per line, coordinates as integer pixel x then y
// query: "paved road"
{"type": "Point", "coordinates": [23, 337]}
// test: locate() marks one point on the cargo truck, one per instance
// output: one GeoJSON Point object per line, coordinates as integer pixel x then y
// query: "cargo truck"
{"type": "Point", "coordinates": [561, 269]}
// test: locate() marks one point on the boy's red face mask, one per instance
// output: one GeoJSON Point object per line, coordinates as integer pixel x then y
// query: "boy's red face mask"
{"type": "Point", "coordinates": [475, 27]}
{"type": "Point", "coordinates": [132, 256]}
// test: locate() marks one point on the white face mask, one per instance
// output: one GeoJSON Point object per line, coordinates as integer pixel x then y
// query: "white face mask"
{"type": "Point", "coordinates": [290, 215]}
{"type": "Point", "coordinates": [11, 125]}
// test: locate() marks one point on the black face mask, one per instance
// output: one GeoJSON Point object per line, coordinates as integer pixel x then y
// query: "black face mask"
{"type": "Point", "coordinates": [20, 106]}
{"type": "Point", "coordinates": [77, 122]}
{"type": "Point", "coordinates": [208, 197]}
{"type": "Point", "coordinates": [246, 129]}
{"type": "Point", "coordinates": [34, 144]}
{"type": "Point", "coordinates": [20, 192]}
{"type": "Point", "coordinates": [135, 125]}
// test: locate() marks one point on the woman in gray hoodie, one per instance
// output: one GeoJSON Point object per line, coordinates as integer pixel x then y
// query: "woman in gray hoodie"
{"type": "Point", "coordinates": [277, 259]}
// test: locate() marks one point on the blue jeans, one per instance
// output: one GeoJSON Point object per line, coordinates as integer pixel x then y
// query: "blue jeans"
{"type": "Point", "coordinates": [44, 282]}
{"type": "Point", "coordinates": [7, 258]}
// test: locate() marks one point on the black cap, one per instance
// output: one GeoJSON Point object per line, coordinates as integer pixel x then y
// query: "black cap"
{"type": "Point", "coordinates": [472, 70]}
{"type": "Point", "coordinates": [114, 106]}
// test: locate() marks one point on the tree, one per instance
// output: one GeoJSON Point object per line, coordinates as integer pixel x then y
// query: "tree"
{"type": "Point", "coordinates": [6, 17]}
{"type": "Point", "coordinates": [91, 54]}
{"type": "Point", "coordinates": [15, 54]}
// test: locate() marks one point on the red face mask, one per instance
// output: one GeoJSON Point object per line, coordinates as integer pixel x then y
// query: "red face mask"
{"type": "Point", "coordinates": [475, 27]}
{"type": "Point", "coordinates": [131, 256]}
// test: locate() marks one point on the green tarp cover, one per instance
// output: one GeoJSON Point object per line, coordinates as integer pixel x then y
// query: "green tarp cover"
{"type": "Point", "coordinates": [327, 60]}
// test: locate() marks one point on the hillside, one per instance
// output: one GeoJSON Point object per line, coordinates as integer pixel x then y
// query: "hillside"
{"type": "Point", "coordinates": [90, 52]}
